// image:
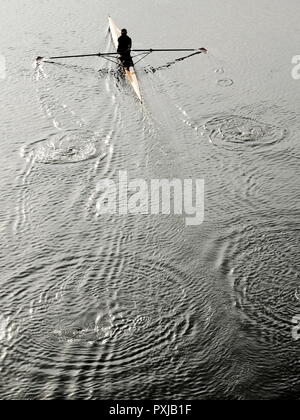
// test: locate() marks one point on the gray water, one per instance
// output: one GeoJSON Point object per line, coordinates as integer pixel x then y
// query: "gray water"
{"type": "Point", "coordinates": [136, 306]}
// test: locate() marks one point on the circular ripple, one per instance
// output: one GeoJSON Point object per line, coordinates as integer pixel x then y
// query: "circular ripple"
{"type": "Point", "coordinates": [116, 313]}
{"type": "Point", "coordinates": [142, 309]}
{"type": "Point", "coordinates": [225, 82]}
{"type": "Point", "coordinates": [264, 269]}
{"type": "Point", "coordinates": [105, 318]}
{"type": "Point", "coordinates": [219, 71]}
{"type": "Point", "coordinates": [234, 132]}
{"type": "Point", "coordinates": [72, 147]}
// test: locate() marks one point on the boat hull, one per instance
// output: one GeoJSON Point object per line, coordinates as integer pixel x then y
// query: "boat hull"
{"type": "Point", "coordinates": [130, 74]}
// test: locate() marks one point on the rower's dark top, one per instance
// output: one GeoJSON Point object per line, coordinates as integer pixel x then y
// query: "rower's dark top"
{"type": "Point", "coordinates": [125, 44]}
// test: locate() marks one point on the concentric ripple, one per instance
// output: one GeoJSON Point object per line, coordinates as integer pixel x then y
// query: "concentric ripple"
{"type": "Point", "coordinates": [263, 266]}
{"type": "Point", "coordinates": [236, 132]}
{"type": "Point", "coordinates": [122, 311]}
{"type": "Point", "coordinates": [72, 146]}
{"type": "Point", "coordinates": [142, 310]}
{"type": "Point", "coordinates": [225, 82]}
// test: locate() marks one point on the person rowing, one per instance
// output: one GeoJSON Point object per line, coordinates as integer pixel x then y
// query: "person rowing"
{"type": "Point", "coordinates": [122, 56]}
{"type": "Point", "coordinates": [124, 49]}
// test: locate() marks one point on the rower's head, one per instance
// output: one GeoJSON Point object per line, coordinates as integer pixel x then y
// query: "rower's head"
{"type": "Point", "coordinates": [124, 32]}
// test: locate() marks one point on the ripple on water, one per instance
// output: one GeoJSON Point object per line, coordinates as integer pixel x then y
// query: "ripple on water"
{"type": "Point", "coordinates": [219, 71]}
{"type": "Point", "coordinates": [141, 312]}
{"type": "Point", "coordinates": [123, 312]}
{"type": "Point", "coordinates": [71, 146]}
{"type": "Point", "coordinates": [236, 132]}
{"type": "Point", "coordinates": [263, 266]}
{"type": "Point", "coordinates": [97, 319]}
{"type": "Point", "coordinates": [225, 82]}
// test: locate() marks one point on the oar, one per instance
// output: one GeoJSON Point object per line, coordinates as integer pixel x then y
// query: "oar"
{"type": "Point", "coordinates": [75, 56]}
{"type": "Point", "coordinates": [204, 50]}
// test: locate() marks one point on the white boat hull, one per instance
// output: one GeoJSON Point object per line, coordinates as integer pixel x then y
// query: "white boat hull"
{"type": "Point", "coordinates": [131, 74]}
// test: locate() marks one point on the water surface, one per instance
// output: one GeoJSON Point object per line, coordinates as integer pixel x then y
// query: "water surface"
{"type": "Point", "coordinates": [96, 307]}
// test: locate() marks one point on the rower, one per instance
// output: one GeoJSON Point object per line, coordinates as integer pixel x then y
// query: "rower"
{"type": "Point", "coordinates": [124, 49]}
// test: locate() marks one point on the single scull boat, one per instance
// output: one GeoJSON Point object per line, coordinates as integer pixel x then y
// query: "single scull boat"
{"type": "Point", "coordinates": [130, 74]}
{"type": "Point", "coordinates": [114, 57]}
